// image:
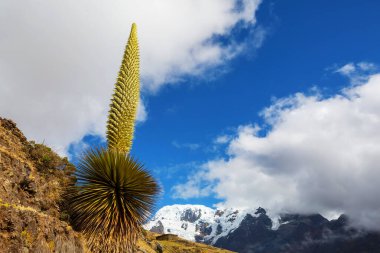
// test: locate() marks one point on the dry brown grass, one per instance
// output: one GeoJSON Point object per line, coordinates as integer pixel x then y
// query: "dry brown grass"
{"type": "Point", "coordinates": [149, 244]}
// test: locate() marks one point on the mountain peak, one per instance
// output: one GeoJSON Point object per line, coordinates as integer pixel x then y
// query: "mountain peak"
{"type": "Point", "coordinates": [197, 222]}
{"type": "Point", "coordinates": [252, 230]}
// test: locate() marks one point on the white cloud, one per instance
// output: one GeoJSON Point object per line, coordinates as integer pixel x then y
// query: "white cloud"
{"type": "Point", "coordinates": [357, 73]}
{"type": "Point", "coordinates": [222, 139]}
{"type": "Point", "coordinates": [347, 69]}
{"type": "Point", "coordinates": [78, 148]}
{"type": "Point", "coordinates": [367, 66]}
{"type": "Point", "coordinates": [59, 59]}
{"type": "Point", "coordinates": [320, 155]}
{"type": "Point", "coordinates": [191, 146]}
{"type": "Point", "coordinates": [195, 187]}
{"type": "Point", "coordinates": [142, 113]}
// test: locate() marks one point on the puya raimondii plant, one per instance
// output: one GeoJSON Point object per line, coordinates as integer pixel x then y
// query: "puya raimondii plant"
{"type": "Point", "coordinates": [115, 194]}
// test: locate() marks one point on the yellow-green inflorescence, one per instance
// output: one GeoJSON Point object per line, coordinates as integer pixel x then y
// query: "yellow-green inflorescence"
{"type": "Point", "coordinates": [115, 194]}
{"type": "Point", "coordinates": [125, 100]}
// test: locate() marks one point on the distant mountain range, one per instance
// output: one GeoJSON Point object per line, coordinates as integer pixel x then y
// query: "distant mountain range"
{"type": "Point", "coordinates": [253, 231]}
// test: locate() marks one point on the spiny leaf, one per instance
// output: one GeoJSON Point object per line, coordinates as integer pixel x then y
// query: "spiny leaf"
{"type": "Point", "coordinates": [114, 196]}
{"type": "Point", "coordinates": [125, 100]}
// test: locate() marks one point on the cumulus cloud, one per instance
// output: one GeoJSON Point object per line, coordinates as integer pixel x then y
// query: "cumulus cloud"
{"type": "Point", "coordinates": [59, 59]}
{"type": "Point", "coordinates": [320, 154]}
{"type": "Point", "coordinates": [195, 187]}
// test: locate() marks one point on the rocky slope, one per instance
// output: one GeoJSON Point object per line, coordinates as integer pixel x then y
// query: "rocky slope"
{"type": "Point", "coordinates": [32, 211]}
{"type": "Point", "coordinates": [253, 231]}
{"type": "Point", "coordinates": [32, 179]}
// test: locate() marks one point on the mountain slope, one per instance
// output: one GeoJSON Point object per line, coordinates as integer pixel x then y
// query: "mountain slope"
{"type": "Point", "coordinates": [30, 196]}
{"type": "Point", "coordinates": [249, 231]}
{"type": "Point", "coordinates": [32, 212]}
{"type": "Point", "coordinates": [196, 222]}
{"type": "Point", "coordinates": [154, 242]}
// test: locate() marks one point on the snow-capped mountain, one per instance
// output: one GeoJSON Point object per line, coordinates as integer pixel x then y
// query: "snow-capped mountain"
{"type": "Point", "coordinates": [197, 222]}
{"type": "Point", "coordinates": [252, 230]}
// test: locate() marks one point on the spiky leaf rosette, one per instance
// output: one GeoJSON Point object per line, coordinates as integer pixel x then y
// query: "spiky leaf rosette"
{"type": "Point", "coordinates": [113, 198]}
{"type": "Point", "coordinates": [125, 100]}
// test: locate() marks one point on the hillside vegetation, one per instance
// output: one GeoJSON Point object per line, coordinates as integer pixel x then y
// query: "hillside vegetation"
{"type": "Point", "coordinates": [33, 215]}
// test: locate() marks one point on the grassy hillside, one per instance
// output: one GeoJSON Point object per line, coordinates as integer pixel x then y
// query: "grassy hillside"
{"type": "Point", "coordinates": [32, 212]}
{"type": "Point", "coordinates": [174, 244]}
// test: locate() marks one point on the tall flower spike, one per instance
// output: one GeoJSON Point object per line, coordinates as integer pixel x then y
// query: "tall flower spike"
{"type": "Point", "coordinates": [125, 100]}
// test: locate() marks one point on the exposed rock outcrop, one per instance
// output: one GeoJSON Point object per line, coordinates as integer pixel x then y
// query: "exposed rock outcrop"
{"type": "Point", "coordinates": [32, 213]}
{"type": "Point", "coordinates": [252, 230]}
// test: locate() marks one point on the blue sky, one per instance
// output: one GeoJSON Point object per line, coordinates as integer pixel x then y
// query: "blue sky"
{"type": "Point", "coordinates": [244, 102]}
{"type": "Point", "coordinates": [305, 42]}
